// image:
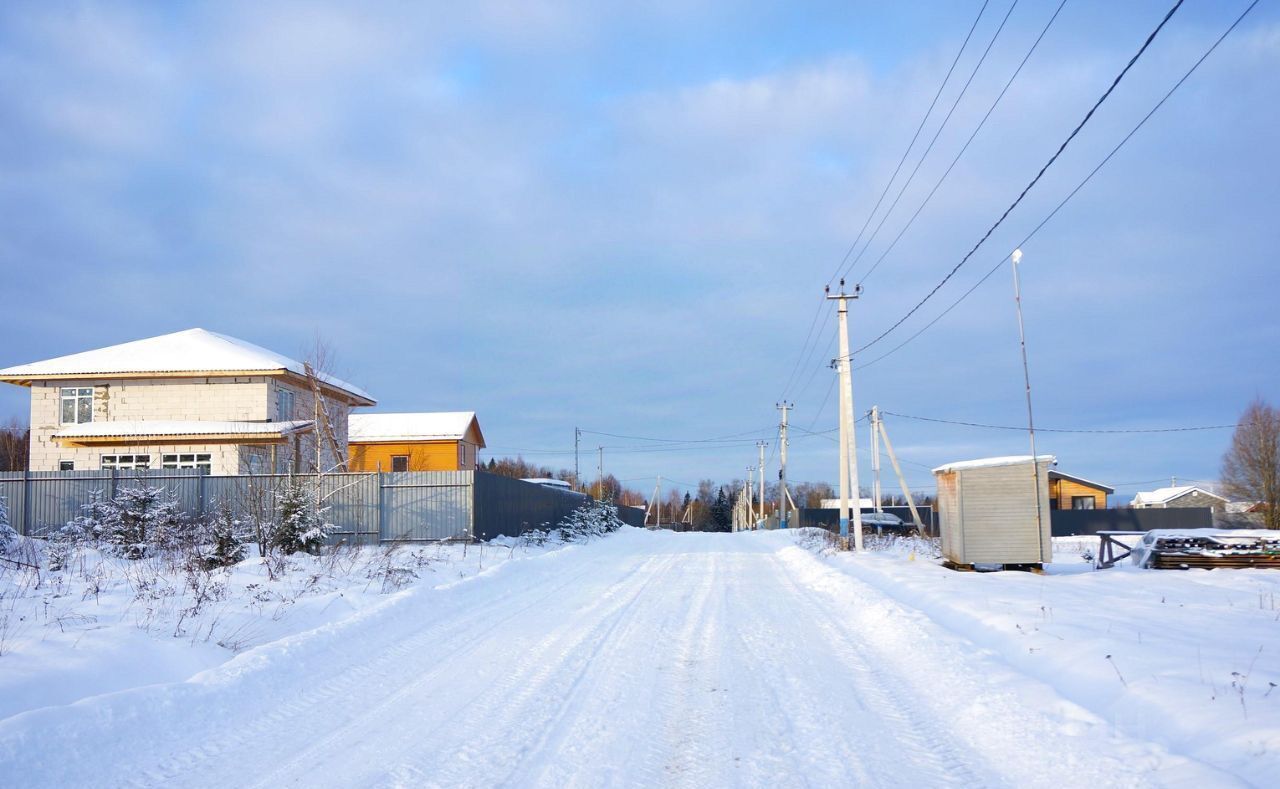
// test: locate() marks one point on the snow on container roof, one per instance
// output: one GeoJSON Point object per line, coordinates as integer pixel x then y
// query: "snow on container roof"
{"type": "Point", "coordinates": [426, 426]}
{"type": "Point", "coordinates": [1162, 495]}
{"type": "Point", "coordinates": [190, 351]}
{"type": "Point", "coordinates": [1010, 460]}
{"type": "Point", "coordinates": [192, 427]}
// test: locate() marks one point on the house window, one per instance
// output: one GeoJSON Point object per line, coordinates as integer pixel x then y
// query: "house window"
{"type": "Point", "coordinates": [202, 460]}
{"type": "Point", "coordinates": [284, 404]}
{"type": "Point", "coordinates": [77, 405]}
{"type": "Point", "coordinates": [66, 465]}
{"type": "Point", "coordinates": [126, 462]}
{"type": "Point", "coordinates": [1082, 502]}
{"type": "Point", "coordinates": [399, 462]}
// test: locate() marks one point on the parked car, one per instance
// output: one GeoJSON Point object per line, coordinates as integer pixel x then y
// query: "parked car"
{"type": "Point", "coordinates": [885, 521]}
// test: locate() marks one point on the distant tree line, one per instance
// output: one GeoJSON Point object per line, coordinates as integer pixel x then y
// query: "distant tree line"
{"type": "Point", "coordinates": [15, 443]}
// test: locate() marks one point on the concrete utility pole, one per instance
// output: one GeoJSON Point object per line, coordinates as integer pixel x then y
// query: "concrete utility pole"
{"type": "Point", "coordinates": [893, 458]}
{"type": "Point", "coordinates": [874, 413]}
{"type": "Point", "coordinates": [761, 445]}
{"type": "Point", "coordinates": [600, 475]}
{"type": "Point", "coordinates": [848, 439]}
{"type": "Point", "coordinates": [658, 500]}
{"type": "Point", "coordinates": [784, 406]}
{"type": "Point", "coordinates": [1016, 257]}
{"type": "Point", "coordinates": [577, 436]}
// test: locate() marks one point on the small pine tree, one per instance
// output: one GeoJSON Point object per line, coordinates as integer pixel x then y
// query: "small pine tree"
{"type": "Point", "coordinates": [132, 524]}
{"type": "Point", "coordinates": [300, 522]}
{"type": "Point", "coordinates": [222, 543]}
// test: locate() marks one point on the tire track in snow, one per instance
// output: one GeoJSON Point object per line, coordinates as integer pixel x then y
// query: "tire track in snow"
{"type": "Point", "coordinates": [919, 737]}
{"type": "Point", "coordinates": [287, 723]}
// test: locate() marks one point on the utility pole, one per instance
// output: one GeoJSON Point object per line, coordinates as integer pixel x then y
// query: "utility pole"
{"type": "Point", "coordinates": [874, 414]}
{"type": "Point", "coordinates": [784, 406]}
{"type": "Point", "coordinates": [1016, 257]}
{"type": "Point", "coordinates": [577, 437]}
{"type": "Point", "coordinates": [600, 475]}
{"type": "Point", "coordinates": [848, 439]}
{"type": "Point", "coordinates": [893, 458]}
{"type": "Point", "coordinates": [761, 445]}
{"type": "Point", "coordinates": [658, 501]}
{"type": "Point", "coordinates": [746, 491]}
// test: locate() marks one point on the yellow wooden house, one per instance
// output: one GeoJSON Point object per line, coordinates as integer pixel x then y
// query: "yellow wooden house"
{"type": "Point", "coordinates": [440, 441]}
{"type": "Point", "coordinates": [1074, 493]}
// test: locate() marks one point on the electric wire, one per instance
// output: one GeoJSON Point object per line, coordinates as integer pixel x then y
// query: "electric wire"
{"type": "Point", "coordinates": [1030, 185]}
{"type": "Point", "coordinates": [912, 144]}
{"type": "Point", "coordinates": [929, 148]}
{"type": "Point", "coordinates": [1062, 430]}
{"type": "Point", "coordinates": [966, 145]}
{"type": "Point", "coordinates": [1071, 194]}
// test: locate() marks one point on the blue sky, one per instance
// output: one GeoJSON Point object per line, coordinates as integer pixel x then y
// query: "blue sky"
{"type": "Point", "coordinates": [622, 217]}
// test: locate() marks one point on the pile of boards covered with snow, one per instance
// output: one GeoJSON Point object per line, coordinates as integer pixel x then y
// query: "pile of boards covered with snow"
{"type": "Point", "coordinates": [1181, 549]}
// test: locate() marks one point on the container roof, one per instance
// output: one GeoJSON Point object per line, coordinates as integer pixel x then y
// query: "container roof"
{"type": "Point", "coordinates": [424, 426]}
{"type": "Point", "coordinates": [1009, 460]}
{"type": "Point", "coordinates": [197, 351]}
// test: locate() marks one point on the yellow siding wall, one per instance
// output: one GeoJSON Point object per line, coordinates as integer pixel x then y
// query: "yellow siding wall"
{"type": "Point", "coordinates": [423, 455]}
{"type": "Point", "coordinates": [1064, 489]}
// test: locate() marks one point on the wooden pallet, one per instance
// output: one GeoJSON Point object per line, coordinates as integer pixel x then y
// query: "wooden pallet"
{"type": "Point", "coordinates": [1187, 561]}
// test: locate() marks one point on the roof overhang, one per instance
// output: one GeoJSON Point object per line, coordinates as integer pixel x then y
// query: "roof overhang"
{"type": "Point", "coordinates": [191, 432]}
{"type": "Point", "coordinates": [1054, 473]}
{"type": "Point", "coordinates": [329, 390]}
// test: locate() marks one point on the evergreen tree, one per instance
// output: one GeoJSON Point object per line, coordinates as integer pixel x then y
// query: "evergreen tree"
{"type": "Point", "coordinates": [300, 523]}
{"type": "Point", "coordinates": [8, 537]}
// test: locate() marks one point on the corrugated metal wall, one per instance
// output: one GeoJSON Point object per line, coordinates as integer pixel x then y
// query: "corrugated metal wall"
{"type": "Point", "coordinates": [364, 508]}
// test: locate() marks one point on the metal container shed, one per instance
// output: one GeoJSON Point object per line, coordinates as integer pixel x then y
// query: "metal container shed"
{"type": "Point", "coordinates": [988, 511]}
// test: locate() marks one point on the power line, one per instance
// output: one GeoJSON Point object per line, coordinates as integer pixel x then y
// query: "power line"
{"type": "Point", "coordinates": [1035, 180]}
{"type": "Point", "coordinates": [752, 433]}
{"type": "Point", "coordinates": [1063, 430]}
{"type": "Point", "coordinates": [1073, 192]}
{"type": "Point", "coordinates": [910, 178]}
{"type": "Point", "coordinates": [967, 143]}
{"type": "Point", "coordinates": [914, 137]}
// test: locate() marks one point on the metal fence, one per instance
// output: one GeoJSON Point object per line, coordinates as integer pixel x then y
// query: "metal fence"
{"type": "Point", "coordinates": [364, 508]}
{"type": "Point", "coordinates": [1066, 523]}
{"type": "Point", "coordinates": [829, 519]}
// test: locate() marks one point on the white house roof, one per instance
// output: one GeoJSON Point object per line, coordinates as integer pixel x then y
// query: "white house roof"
{"type": "Point", "coordinates": [864, 503]}
{"type": "Point", "coordinates": [429, 426]}
{"type": "Point", "coordinates": [1163, 495]}
{"type": "Point", "coordinates": [1010, 460]}
{"type": "Point", "coordinates": [193, 350]}
{"type": "Point", "coordinates": [160, 428]}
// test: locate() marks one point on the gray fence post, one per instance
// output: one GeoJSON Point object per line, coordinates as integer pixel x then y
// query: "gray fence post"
{"type": "Point", "coordinates": [26, 503]}
{"type": "Point", "coordinates": [111, 485]}
{"type": "Point", "coordinates": [200, 493]}
{"type": "Point", "coordinates": [382, 515]}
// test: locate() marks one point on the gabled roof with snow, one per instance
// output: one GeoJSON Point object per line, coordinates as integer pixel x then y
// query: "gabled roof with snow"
{"type": "Point", "coordinates": [196, 351]}
{"type": "Point", "coordinates": [1010, 460]}
{"type": "Point", "coordinates": [1055, 474]}
{"type": "Point", "coordinates": [427, 426]}
{"type": "Point", "coordinates": [1165, 495]}
{"type": "Point", "coordinates": [160, 428]}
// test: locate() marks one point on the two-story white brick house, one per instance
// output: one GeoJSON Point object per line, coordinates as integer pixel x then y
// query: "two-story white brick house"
{"type": "Point", "coordinates": [192, 399]}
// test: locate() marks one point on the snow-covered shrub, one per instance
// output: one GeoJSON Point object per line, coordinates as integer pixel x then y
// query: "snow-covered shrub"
{"type": "Point", "coordinates": [593, 519]}
{"type": "Point", "coordinates": [8, 537]}
{"type": "Point", "coordinates": [221, 540]}
{"type": "Point", "coordinates": [135, 523]}
{"type": "Point", "coordinates": [300, 522]}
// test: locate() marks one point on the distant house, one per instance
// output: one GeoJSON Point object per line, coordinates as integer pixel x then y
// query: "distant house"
{"type": "Point", "coordinates": [441, 441]}
{"type": "Point", "coordinates": [191, 399]}
{"type": "Point", "coordinates": [1067, 492]}
{"type": "Point", "coordinates": [1179, 496]}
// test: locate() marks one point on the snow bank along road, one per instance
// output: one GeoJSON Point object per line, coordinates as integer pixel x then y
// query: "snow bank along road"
{"type": "Point", "coordinates": [643, 659]}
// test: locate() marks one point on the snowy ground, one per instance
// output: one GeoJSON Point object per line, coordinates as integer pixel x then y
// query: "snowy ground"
{"type": "Point", "coordinates": [660, 659]}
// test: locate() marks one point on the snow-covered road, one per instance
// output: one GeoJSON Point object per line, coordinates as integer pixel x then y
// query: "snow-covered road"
{"type": "Point", "coordinates": [643, 659]}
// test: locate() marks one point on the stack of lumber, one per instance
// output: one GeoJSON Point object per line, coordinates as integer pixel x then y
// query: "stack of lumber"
{"type": "Point", "coordinates": [1185, 550]}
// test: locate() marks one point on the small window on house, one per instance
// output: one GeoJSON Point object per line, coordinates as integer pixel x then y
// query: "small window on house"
{"type": "Point", "coordinates": [399, 462]}
{"type": "Point", "coordinates": [66, 465]}
{"type": "Point", "coordinates": [194, 460]}
{"type": "Point", "coordinates": [1082, 502]}
{"type": "Point", "coordinates": [126, 462]}
{"type": "Point", "coordinates": [76, 405]}
{"type": "Point", "coordinates": [284, 405]}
